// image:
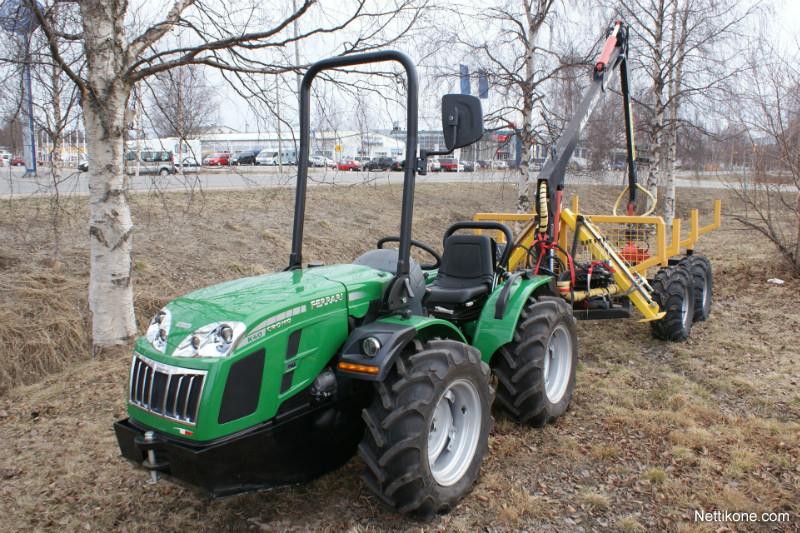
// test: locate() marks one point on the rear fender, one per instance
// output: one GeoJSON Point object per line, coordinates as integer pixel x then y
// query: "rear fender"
{"type": "Point", "coordinates": [501, 312]}
{"type": "Point", "coordinates": [394, 334]}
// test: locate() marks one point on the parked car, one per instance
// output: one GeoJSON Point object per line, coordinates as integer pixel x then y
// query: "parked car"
{"type": "Point", "coordinates": [363, 159]}
{"type": "Point", "coordinates": [5, 158]}
{"type": "Point", "coordinates": [83, 165]}
{"type": "Point", "coordinates": [245, 157]}
{"type": "Point", "coordinates": [267, 157]}
{"type": "Point", "coordinates": [434, 166]}
{"type": "Point", "coordinates": [483, 164]}
{"type": "Point", "coordinates": [17, 161]}
{"type": "Point", "coordinates": [217, 159]}
{"type": "Point", "coordinates": [617, 165]}
{"type": "Point", "coordinates": [468, 166]}
{"type": "Point", "coordinates": [271, 158]}
{"type": "Point", "coordinates": [398, 166]}
{"type": "Point", "coordinates": [318, 160]}
{"type": "Point", "coordinates": [348, 164]}
{"type": "Point", "coordinates": [380, 163]}
{"type": "Point", "coordinates": [499, 164]}
{"type": "Point", "coordinates": [189, 164]}
{"type": "Point", "coordinates": [150, 162]}
{"type": "Point", "coordinates": [450, 164]}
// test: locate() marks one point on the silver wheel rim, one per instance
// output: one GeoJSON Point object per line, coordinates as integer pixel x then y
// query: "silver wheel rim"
{"type": "Point", "coordinates": [685, 308]}
{"type": "Point", "coordinates": [557, 364]}
{"type": "Point", "coordinates": [454, 432]}
{"type": "Point", "coordinates": [704, 292]}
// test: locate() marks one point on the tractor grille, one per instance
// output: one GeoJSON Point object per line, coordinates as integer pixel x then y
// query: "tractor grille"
{"type": "Point", "coordinates": [165, 390]}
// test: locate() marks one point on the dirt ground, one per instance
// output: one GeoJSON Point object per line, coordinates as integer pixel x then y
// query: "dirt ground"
{"type": "Point", "coordinates": [656, 430]}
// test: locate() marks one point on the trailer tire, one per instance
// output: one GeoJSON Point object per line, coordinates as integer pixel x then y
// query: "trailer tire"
{"type": "Point", "coordinates": [700, 268]}
{"type": "Point", "coordinates": [673, 290]}
{"type": "Point", "coordinates": [436, 401]}
{"type": "Point", "coordinates": [536, 371]}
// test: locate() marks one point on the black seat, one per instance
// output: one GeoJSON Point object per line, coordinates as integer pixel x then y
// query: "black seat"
{"type": "Point", "coordinates": [465, 277]}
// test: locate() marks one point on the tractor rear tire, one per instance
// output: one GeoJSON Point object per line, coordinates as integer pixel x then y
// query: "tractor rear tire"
{"type": "Point", "coordinates": [673, 290]}
{"type": "Point", "coordinates": [536, 371]}
{"type": "Point", "coordinates": [427, 428]}
{"type": "Point", "coordinates": [700, 268]}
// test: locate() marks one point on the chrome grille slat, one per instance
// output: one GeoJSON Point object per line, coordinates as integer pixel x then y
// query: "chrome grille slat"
{"type": "Point", "coordinates": [137, 391]}
{"type": "Point", "coordinates": [135, 368]}
{"type": "Point", "coordinates": [177, 394]}
{"type": "Point", "coordinates": [166, 395]}
{"type": "Point", "coordinates": [152, 383]}
{"type": "Point", "coordinates": [144, 393]}
{"type": "Point", "coordinates": [188, 395]}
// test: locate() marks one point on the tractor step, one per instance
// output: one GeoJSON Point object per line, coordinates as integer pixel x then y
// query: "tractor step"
{"type": "Point", "coordinates": [622, 310]}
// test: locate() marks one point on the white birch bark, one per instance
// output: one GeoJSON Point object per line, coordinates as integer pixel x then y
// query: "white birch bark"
{"type": "Point", "coordinates": [104, 104]}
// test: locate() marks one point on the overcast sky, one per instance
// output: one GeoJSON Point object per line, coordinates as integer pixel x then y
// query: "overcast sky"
{"type": "Point", "coordinates": [234, 111]}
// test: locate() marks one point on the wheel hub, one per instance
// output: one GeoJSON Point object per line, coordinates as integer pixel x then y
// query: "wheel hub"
{"type": "Point", "coordinates": [454, 432]}
{"type": "Point", "coordinates": [557, 364]}
{"type": "Point", "coordinates": [685, 318]}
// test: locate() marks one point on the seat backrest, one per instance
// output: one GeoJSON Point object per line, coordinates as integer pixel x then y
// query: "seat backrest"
{"type": "Point", "coordinates": [467, 260]}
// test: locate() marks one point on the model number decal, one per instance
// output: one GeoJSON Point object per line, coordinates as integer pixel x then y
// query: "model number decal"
{"type": "Point", "coordinates": [272, 323]}
{"type": "Point", "coordinates": [327, 300]}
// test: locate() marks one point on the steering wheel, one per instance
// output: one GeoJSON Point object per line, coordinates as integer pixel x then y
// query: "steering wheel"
{"type": "Point", "coordinates": [422, 246]}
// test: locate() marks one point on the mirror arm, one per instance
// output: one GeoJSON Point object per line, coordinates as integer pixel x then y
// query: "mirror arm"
{"type": "Point", "coordinates": [422, 160]}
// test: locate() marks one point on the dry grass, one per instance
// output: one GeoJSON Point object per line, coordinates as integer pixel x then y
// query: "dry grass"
{"type": "Point", "coordinates": [656, 430]}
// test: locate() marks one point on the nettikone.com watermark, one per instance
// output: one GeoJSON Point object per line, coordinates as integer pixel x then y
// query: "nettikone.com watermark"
{"type": "Point", "coordinates": [701, 515]}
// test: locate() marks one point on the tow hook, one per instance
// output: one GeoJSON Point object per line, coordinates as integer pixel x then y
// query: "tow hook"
{"type": "Point", "coordinates": [151, 463]}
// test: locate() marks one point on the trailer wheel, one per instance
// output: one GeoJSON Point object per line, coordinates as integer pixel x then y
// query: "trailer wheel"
{"type": "Point", "coordinates": [673, 290]}
{"type": "Point", "coordinates": [700, 268]}
{"type": "Point", "coordinates": [536, 371]}
{"type": "Point", "coordinates": [428, 428]}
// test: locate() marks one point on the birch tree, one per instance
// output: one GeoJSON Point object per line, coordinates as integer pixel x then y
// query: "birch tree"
{"type": "Point", "coordinates": [516, 47]}
{"type": "Point", "coordinates": [684, 47]}
{"type": "Point", "coordinates": [117, 44]}
{"type": "Point", "coordinates": [767, 110]}
{"type": "Point", "coordinates": [182, 103]}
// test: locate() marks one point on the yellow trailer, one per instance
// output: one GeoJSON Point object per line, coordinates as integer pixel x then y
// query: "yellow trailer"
{"type": "Point", "coordinates": [632, 245]}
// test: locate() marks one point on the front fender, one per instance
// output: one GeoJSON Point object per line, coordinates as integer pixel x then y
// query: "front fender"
{"type": "Point", "coordinates": [394, 334]}
{"type": "Point", "coordinates": [493, 329]}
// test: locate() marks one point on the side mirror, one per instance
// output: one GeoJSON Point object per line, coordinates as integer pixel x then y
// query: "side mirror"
{"type": "Point", "coordinates": [462, 120]}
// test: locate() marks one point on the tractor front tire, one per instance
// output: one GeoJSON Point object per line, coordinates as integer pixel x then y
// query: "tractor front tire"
{"type": "Point", "coordinates": [673, 290]}
{"type": "Point", "coordinates": [427, 428]}
{"type": "Point", "coordinates": [536, 371]}
{"type": "Point", "coordinates": [700, 268]}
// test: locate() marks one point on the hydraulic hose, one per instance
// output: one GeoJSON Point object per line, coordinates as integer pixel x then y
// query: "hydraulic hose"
{"type": "Point", "coordinates": [650, 197]}
{"type": "Point", "coordinates": [544, 217]}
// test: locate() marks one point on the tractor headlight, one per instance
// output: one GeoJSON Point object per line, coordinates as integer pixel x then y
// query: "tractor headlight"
{"type": "Point", "coordinates": [158, 330]}
{"type": "Point", "coordinates": [213, 340]}
{"type": "Point", "coordinates": [370, 346]}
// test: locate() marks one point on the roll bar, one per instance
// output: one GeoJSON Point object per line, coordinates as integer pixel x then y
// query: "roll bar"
{"type": "Point", "coordinates": [400, 287]}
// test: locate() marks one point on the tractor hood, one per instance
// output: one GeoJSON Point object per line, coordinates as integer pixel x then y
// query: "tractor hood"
{"type": "Point", "coordinates": [265, 304]}
{"type": "Point", "coordinates": [258, 302]}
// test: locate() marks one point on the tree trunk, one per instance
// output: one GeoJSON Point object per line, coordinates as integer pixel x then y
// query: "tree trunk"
{"type": "Point", "coordinates": [656, 141]}
{"type": "Point", "coordinates": [525, 177]}
{"type": "Point", "coordinates": [110, 224]}
{"type": "Point", "coordinates": [59, 121]}
{"type": "Point", "coordinates": [669, 186]}
{"type": "Point", "coordinates": [104, 106]}
{"type": "Point", "coordinates": [679, 30]}
{"type": "Point", "coordinates": [657, 124]}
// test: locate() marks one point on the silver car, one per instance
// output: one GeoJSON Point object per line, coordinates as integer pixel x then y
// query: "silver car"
{"type": "Point", "coordinates": [150, 162]}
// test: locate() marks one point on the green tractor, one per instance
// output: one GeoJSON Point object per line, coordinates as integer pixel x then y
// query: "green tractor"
{"type": "Point", "coordinates": [276, 379]}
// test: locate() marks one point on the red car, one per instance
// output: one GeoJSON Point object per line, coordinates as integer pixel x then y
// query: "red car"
{"type": "Point", "coordinates": [17, 161]}
{"type": "Point", "coordinates": [449, 164]}
{"type": "Point", "coordinates": [219, 159]}
{"type": "Point", "coordinates": [348, 164]}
